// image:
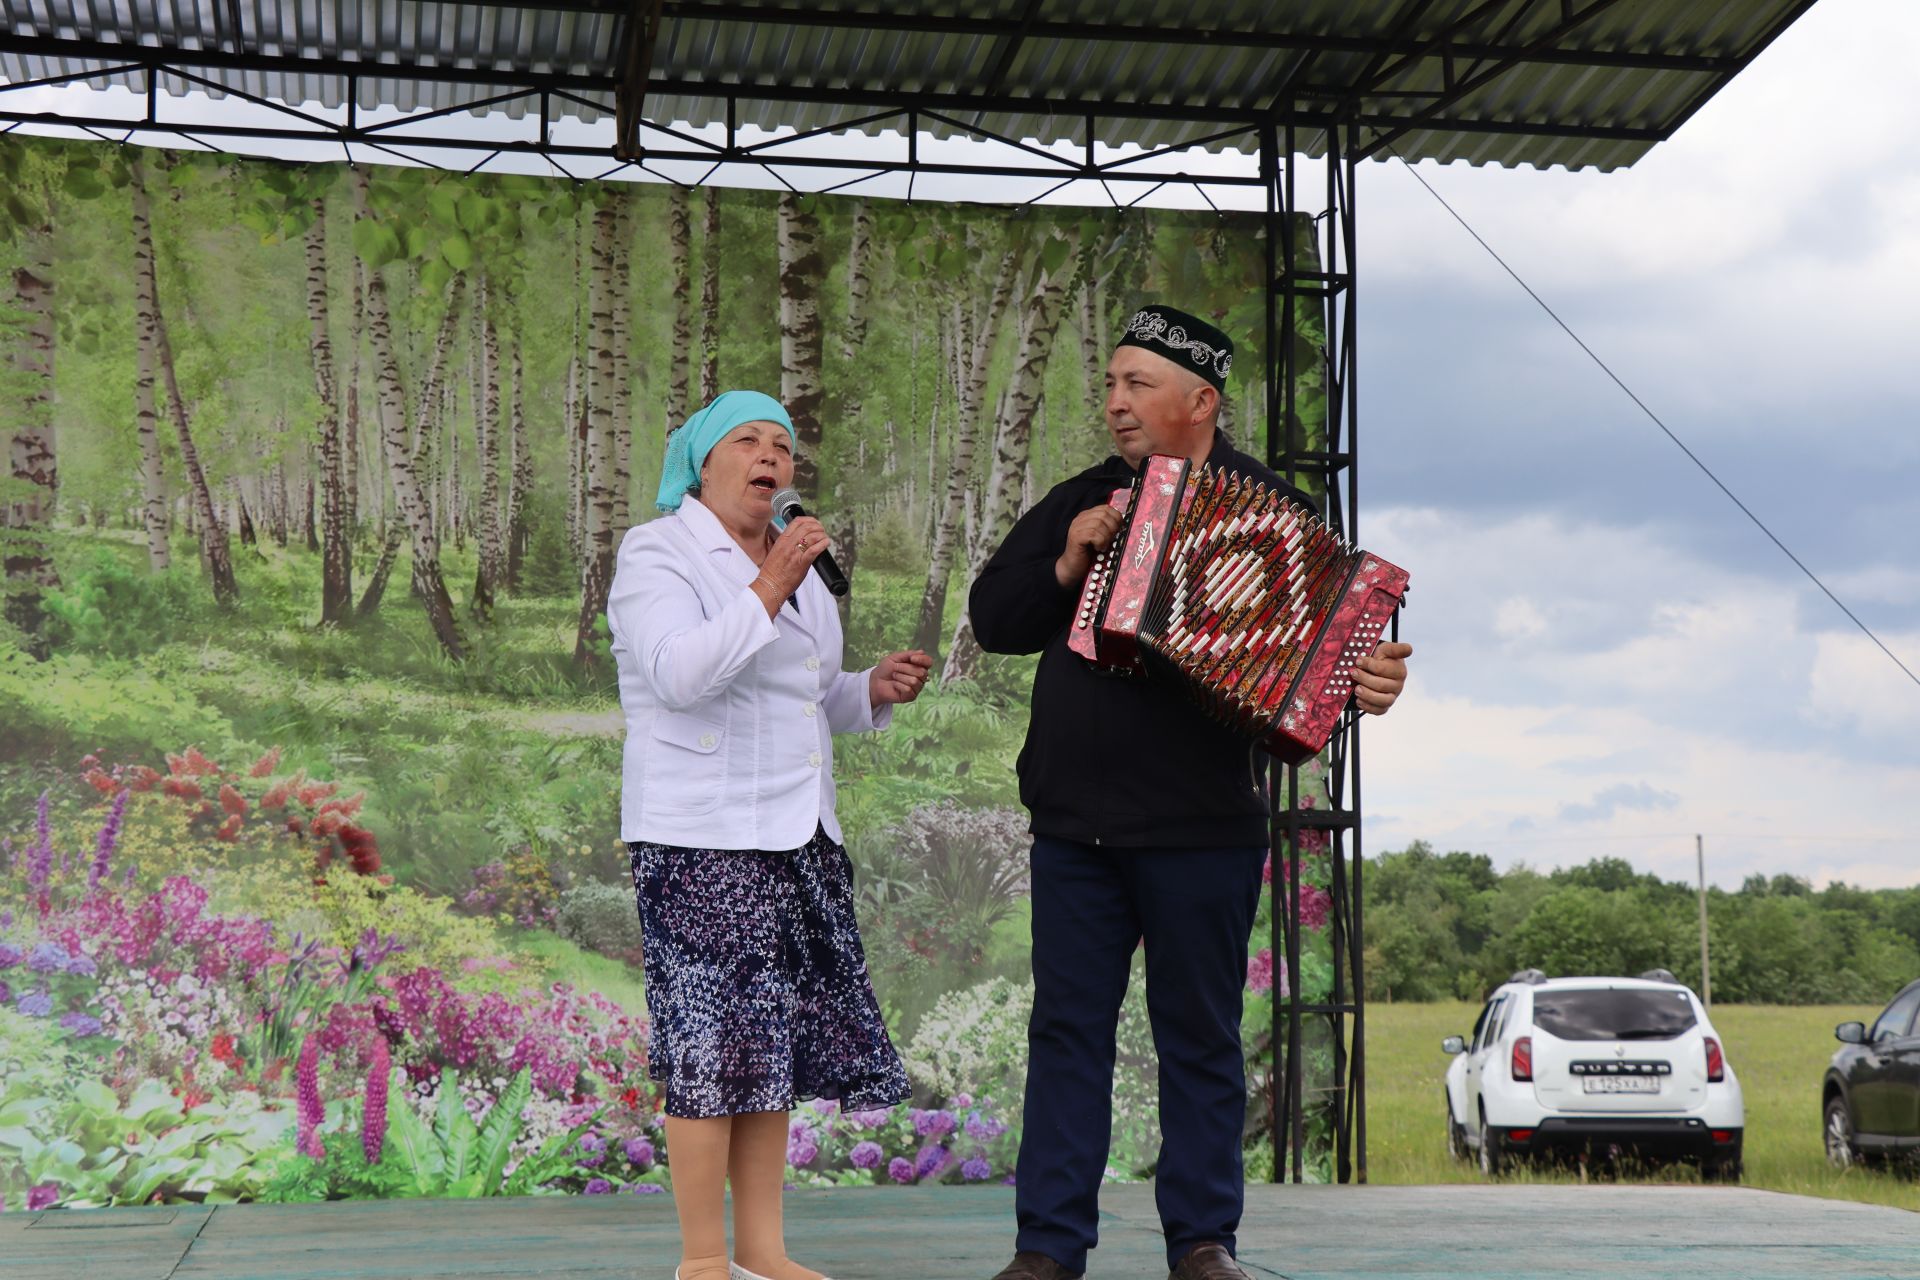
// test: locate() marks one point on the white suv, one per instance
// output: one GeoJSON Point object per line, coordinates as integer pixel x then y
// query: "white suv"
{"type": "Point", "coordinates": [1579, 1065]}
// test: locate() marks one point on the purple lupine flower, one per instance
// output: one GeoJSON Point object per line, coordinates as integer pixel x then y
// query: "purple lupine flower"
{"type": "Point", "coordinates": [82, 1024]}
{"type": "Point", "coordinates": [866, 1155]}
{"type": "Point", "coordinates": [312, 1110]}
{"type": "Point", "coordinates": [81, 964]}
{"type": "Point", "coordinates": [373, 1133]}
{"type": "Point", "coordinates": [932, 1161]}
{"type": "Point", "coordinates": [593, 1150]}
{"type": "Point", "coordinates": [36, 1005]}
{"type": "Point", "coordinates": [900, 1169]}
{"type": "Point", "coordinates": [597, 1187]}
{"type": "Point", "coordinates": [109, 838]}
{"type": "Point", "coordinates": [647, 1189]}
{"type": "Point", "coordinates": [41, 1197]}
{"type": "Point", "coordinates": [10, 955]}
{"type": "Point", "coordinates": [49, 957]}
{"type": "Point", "coordinates": [962, 1100]}
{"type": "Point", "coordinates": [127, 879]}
{"type": "Point", "coordinates": [639, 1152]}
{"type": "Point", "coordinates": [934, 1124]}
{"type": "Point", "coordinates": [40, 856]}
{"type": "Point", "coordinates": [6, 993]}
{"type": "Point", "coordinates": [976, 1169]}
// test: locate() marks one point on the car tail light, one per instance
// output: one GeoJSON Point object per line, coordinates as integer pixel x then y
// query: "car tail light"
{"type": "Point", "coordinates": [1716, 1061]}
{"type": "Point", "coordinates": [1523, 1057]}
{"type": "Point", "coordinates": [1520, 1135]}
{"type": "Point", "coordinates": [1723, 1136]}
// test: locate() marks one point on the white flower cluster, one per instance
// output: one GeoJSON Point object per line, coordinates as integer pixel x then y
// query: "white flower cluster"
{"type": "Point", "coordinates": [160, 1023]}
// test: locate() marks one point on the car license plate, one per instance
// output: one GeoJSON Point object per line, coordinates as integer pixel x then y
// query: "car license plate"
{"type": "Point", "coordinates": [1621, 1084]}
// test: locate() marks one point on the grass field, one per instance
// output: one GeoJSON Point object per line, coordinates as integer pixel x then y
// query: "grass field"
{"type": "Point", "coordinates": [1778, 1052]}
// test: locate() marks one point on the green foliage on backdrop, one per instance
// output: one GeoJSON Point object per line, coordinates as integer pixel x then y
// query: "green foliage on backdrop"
{"type": "Point", "coordinates": [309, 770]}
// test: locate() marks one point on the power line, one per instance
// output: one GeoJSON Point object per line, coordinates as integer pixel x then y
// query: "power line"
{"type": "Point", "coordinates": [1654, 836]}
{"type": "Point", "coordinates": [1655, 419]}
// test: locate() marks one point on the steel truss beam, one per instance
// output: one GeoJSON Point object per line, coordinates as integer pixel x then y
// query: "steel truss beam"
{"type": "Point", "coordinates": [496, 87]}
{"type": "Point", "coordinates": [1331, 468]}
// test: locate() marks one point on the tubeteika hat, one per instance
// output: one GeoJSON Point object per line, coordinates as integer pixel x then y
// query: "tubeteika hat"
{"type": "Point", "coordinates": [1186, 340]}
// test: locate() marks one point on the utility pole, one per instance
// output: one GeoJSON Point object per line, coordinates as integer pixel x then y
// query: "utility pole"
{"type": "Point", "coordinates": [1706, 975]}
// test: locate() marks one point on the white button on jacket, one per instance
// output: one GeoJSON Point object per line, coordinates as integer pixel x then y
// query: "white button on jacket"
{"type": "Point", "coordinates": [724, 747]}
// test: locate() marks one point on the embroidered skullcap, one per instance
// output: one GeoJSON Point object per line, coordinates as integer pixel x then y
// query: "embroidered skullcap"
{"type": "Point", "coordinates": [1188, 341]}
{"type": "Point", "coordinates": [689, 444]}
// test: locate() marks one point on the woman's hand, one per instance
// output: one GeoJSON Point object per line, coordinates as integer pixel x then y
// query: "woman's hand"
{"type": "Point", "coordinates": [787, 562]}
{"type": "Point", "coordinates": [898, 677]}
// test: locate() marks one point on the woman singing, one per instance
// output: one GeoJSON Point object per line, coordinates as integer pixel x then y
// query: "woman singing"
{"type": "Point", "coordinates": [729, 653]}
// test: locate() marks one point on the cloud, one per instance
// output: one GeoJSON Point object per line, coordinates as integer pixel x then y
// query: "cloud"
{"type": "Point", "coordinates": [1581, 689]}
{"type": "Point", "coordinates": [1624, 795]}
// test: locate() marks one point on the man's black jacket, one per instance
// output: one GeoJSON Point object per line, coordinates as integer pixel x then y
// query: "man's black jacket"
{"type": "Point", "coordinates": [1127, 762]}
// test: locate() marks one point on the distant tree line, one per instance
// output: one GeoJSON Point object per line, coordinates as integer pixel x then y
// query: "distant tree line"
{"type": "Point", "coordinates": [1443, 926]}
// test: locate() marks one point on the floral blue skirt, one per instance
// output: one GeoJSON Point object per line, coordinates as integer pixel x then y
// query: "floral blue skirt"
{"type": "Point", "coordinates": [756, 982]}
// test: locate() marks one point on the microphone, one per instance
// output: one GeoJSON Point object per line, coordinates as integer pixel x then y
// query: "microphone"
{"type": "Point", "coordinates": [786, 505]}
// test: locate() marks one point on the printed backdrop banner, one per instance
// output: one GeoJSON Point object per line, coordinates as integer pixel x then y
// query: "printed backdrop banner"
{"type": "Point", "coordinates": [309, 745]}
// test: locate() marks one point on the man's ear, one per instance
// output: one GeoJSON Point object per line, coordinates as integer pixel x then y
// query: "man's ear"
{"type": "Point", "coordinates": [1206, 403]}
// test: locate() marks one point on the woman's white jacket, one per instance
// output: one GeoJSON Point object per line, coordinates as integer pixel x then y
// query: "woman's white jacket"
{"type": "Point", "coordinates": [730, 714]}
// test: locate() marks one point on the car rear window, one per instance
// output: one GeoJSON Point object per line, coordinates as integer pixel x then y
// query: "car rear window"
{"type": "Point", "coordinates": [1607, 1014]}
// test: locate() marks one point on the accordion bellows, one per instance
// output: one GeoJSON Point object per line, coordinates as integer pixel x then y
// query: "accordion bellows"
{"type": "Point", "coordinates": [1252, 603]}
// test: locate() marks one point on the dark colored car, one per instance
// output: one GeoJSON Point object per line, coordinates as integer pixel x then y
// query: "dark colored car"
{"type": "Point", "coordinates": [1871, 1097]}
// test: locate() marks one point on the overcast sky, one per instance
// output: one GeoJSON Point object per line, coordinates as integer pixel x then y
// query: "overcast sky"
{"type": "Point", "coordinates": [1610, 657]}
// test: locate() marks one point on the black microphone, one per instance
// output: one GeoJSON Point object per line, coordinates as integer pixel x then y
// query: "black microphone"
{"type": "Point", "coordinates": [786, 505]}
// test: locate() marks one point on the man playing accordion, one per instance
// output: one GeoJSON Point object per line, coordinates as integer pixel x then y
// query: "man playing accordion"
{"type": "Point", "coordinates": [1149, 823]}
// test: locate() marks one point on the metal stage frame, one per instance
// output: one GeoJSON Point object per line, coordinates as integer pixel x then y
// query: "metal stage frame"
{"type": "Point", "coordinates": [1541, 82]}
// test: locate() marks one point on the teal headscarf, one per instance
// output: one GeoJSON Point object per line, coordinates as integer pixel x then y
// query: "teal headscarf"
{"type": "Point", "coordinates": [688, 446]}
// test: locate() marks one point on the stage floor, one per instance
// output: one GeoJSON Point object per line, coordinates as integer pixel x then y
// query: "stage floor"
{"type": "Point", "coordinates": [966, 1233]}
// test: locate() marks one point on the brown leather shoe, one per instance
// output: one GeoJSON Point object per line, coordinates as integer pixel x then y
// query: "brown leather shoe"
{"type": "Point", "coordinates": [1027, 1265]}
{"type": "Point", "coordinates": [1209, 1262]}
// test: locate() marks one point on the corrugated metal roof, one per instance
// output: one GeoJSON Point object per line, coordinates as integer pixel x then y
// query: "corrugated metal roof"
{"type": "Point", "coordinates": [1595, 91]}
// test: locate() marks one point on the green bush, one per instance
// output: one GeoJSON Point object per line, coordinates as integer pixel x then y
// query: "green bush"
{"type": "Point", "coordinates": [600, 917]}
{"type": "Point", "coordinates": [888, 543]}
{"type": "Point", "coordinates": [65, 707]}
{"type": "Point", "coordinates": [113, 608]}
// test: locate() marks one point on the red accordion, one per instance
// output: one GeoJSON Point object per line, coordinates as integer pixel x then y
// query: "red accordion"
{"type": "Point", "coordinates": [1249, 600]}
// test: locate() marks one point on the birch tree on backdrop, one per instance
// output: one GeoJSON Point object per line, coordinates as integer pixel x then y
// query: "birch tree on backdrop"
{"type": "Point", "coordinates": [976, 321]}
{"type": "Point", "coordinates": [801, 338]}
{"type": "Point", "coordinates": [376, 242]}
{"type": "Point", "coordinates": [621, 315]}
{"type": "Point", "coordinates": [151, 331]}
{"type": "Point", "coordinates": [680, 252]}
{"type": "Point", "coordinates": [710, 299]}
{"type": "Point", "coordinates": [428, 409]}
{"type": "Point", "coordinates": [596, 561]}
{"type": "Point", "coordinates": [336, 573]}
{"type": "Point", "coordinates": [575, 408]}
{"type": "Point", "coordinates": [1039, 325]}
{"type": "Point", "coordinates": [519, 527]}
{"type": "Point", "coordinates": [491, 569]}
{"type": "Point", "coordinates": [33, 472]}
{"type": "Point", "coordinates": [851, 411]}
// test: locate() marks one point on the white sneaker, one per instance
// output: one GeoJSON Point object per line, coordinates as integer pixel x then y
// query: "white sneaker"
{"type": "Point", "coordinates": [739, 1272]}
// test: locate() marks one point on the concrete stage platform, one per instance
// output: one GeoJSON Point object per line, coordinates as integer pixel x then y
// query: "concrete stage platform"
{"type": "Point", "coordinates": [966, 1233]}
